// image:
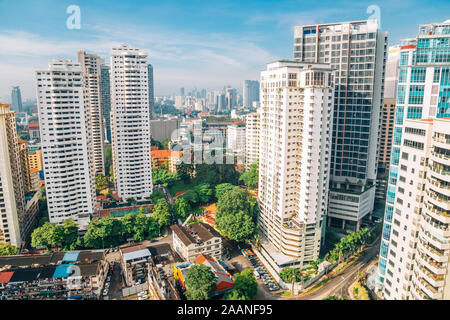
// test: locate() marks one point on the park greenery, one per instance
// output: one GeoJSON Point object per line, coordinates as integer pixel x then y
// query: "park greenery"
{"type": "Point", "coordinates": [245, 286]}
{"type": "Point", "coordinates": [200, 282]}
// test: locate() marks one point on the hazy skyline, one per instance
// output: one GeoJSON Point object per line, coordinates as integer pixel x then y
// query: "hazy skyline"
{"type": "Point", "coordinates": [203, 44]}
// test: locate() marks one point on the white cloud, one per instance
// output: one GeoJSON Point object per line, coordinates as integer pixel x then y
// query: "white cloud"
{"type": "Point", "coordinates": [208, 60]}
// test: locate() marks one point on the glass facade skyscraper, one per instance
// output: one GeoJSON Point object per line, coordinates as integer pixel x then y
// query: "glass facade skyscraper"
{"type": "Point", "coordinates": [423, 92]}
{"type": "Point", "coordinates": [357, 51]}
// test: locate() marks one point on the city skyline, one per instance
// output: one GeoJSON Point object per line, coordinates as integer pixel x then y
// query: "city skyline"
{"type": "Point", "coordinates": [221, 44]}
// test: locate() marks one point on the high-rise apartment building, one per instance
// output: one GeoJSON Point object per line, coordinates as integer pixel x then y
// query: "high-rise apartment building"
{"type": "Point", "coordinates": [130, 122]}
{"type": "Point", "coordinates": [66, 150]}
{"type": "Point", "coordinates": [35, 157]}
{"type": "Point", "coordinates": [250, 93]}
{"type": "Point", "coordinates": [16, 99]}
{"type": "Point", "coordinates": [24, 164]}
{"type": "Point", "coordinates": [418, 254]}
{"type": "Point", "coordinates": [105, 101]}
{"type": "Point", "coordinates": [92, 75]}
{"type": "Point", "coordinates": [12, 196]}
{"type": "Point", "coordinates": [357, 51]}
{"type": "Point", "coordinates": [423, 86]}
{"type": "Point", "coordinates": [251, 138]}
{"type": "Point", "coordinates": [294, 160]}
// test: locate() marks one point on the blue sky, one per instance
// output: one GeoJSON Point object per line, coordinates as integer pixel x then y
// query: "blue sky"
{"type": "Point", "coordinates": [207, 44]}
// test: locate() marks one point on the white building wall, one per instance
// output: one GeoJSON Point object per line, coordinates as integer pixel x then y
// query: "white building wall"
{"type": "Point", "coordinates": [63, 120]}
{"type": "Point", "coordinates": [130, 123]}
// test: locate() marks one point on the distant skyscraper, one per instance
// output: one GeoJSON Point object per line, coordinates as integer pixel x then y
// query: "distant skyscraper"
{"type": "Point", "coordinates": [106, 100]}
{"type": "Point", "coordinates": [220, 101]}
{"type": "Point", "coordinates": [182, 92]}
{"type": "Point", "coordinates": [130, 122]}
{"type": "Point", "coordinates": [357, 50]}
{"type": "Point", "coordinates": [16, 99]}
{"type": "Point", "coordinates": [294, 146]}
{"type": "Point", "coordinates": [230, 98]}
{"type": "Point", "coordinates": [65, 142]}
{"type": "Point", "coordinates": [250, 93]}
{"type": "Point", "coordinates": [12, 186]}
{"type": "Point", "coordinates": [413, 262]}
{"type": "Point", "coordinates": [91, 71]}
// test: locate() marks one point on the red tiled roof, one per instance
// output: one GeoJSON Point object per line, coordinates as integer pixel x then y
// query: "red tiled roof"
{"type": "Point", "coordinates": [5, 276]}
{"type": "Point", "coordinates": [161, 153]}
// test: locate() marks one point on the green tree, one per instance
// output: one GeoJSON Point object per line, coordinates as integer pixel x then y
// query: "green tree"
{"type": "Point", "coordinates": [156, 195]}
{"type": "Point", "coordinates": [161, 213]}
{"type": "Point", "coordinates": [200, 282]}
{"type": "Point", "coordinates": [103, 233]}
{"type": "Point", "coordinates": [250, 178]}
{"type": "Point", "coordinates": [238, 226]}
{"type": "Point", "coordinates": [290, 275]}
{"type": "Point", "coordinates": [234, 295]}
{"type": "Point", "coordinates": [101, 182]}
{"type": "Point", "coordinates": [70, 232]}
{"type": "Point", "coordinates": [48, 235]}
{"type": "Point", "coordinates": [8, 249]}
{"type": "Point", "coordinates": [164, 177]}
{"type": "Point", "coordinates": [191, 196]}
{"type": "Point", "coordinates": [141, 227]}
{"type": "Point", "coordinates": [181, 208]}
{"type": "Point", "coordinates": [204, 192]}
{"type": "Point", "coordinates": [245, 284]}
{"type": "Point", "coordinates": [223, 188]}
{"type": "Point", "coordinates": [233, 201]}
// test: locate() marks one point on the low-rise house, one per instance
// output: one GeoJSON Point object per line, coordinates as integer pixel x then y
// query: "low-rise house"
{"type": "Point", "coordinates": [198, 238]}
{"type": "Point", "coordinates": [135, 261]}
{"type": "Point", "coordinates": [58, 275]}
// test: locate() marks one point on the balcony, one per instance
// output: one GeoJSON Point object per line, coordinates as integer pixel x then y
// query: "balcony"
{"type": "Point", "coordinates": [441, 244]}
{"type": "Point", "coordinates": [441, 230]}
{"type": "Point", "coordinates": [429, 290]}
{"type": "Point", "coordinates": [418, 293]}
{"type": "Point", "coordinates": [438, 200]}
{"type": "Point", "coordinates": [436, 281]}
{"type": "Point", "coordinates": [435, 267]}
{"type": "Point", "coordinates": [440, 215]}
{"type": "Point", "coordinates": [439, 256]}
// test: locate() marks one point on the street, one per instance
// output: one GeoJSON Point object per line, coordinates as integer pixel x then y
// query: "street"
{"type": "Point", "coordinates": [339, 285]}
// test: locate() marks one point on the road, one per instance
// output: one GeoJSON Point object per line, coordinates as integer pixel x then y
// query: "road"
{"type": "Point", "coordinates": [338, 286]}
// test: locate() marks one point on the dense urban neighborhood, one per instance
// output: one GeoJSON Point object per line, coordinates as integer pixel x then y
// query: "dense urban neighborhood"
{"type": "Point", "coordinates": [327, 178]}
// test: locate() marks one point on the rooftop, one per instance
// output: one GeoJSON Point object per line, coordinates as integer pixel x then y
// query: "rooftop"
{"type": "Point", "coordinates": [195, 233]}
